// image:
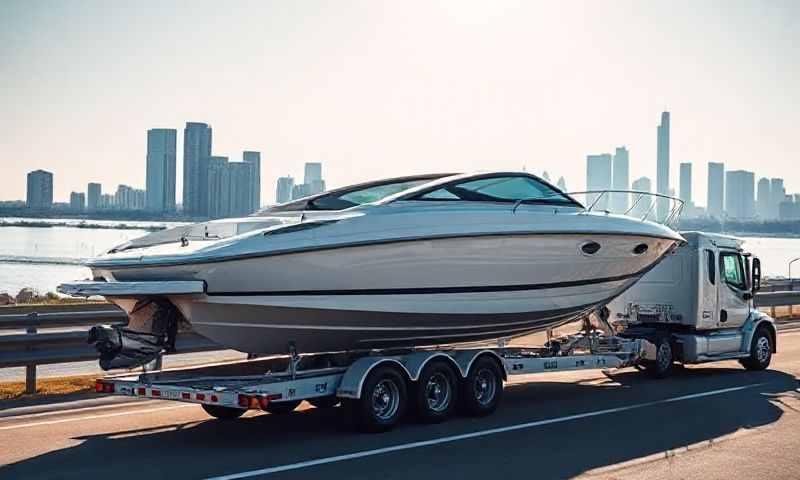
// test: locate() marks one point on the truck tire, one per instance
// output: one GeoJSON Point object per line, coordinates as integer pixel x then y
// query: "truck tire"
{"type": "Point", "coordinates": [662, 366]}
{"type": "Point", "coordinates": [223, 413]}
{"type": "Point", "coordinates": [280, 408]}
{"type": "Point", "coordinates": [329, 401]}
{"type": "Point", "coordinates": [482, 390]}
{"type": "Point", "coordinates": [760, 351]}
{"type": "Point", "coordinates": [384, 398]}
{"type": "Point", "coordinates": [435, 393]}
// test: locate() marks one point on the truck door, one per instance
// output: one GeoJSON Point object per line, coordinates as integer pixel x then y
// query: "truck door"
{"type": "Point", "coordinates": [732, 292]}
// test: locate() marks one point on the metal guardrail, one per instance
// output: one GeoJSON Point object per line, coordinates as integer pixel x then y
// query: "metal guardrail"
{"type": "Point", "coordinates": [35, 347]}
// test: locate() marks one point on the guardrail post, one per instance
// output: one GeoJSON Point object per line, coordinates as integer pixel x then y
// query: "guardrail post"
{"type": "Point", "coordinates": [791, 288]}
{"type": "Point", "coordinates": [30, 369]}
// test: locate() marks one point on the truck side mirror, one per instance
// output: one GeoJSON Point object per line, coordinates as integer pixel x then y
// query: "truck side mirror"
{"type": "Point", "coordinates": [756, 274]}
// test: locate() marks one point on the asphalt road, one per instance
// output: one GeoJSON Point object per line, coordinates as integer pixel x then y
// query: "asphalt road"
{"type": "Point", "coordinates": [711, 421]}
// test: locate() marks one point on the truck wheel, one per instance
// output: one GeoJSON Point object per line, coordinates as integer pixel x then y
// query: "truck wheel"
{"type": "Point", "coordinates": [662, 366]}
{"type": "Point", "coordinates": [329, 401]}
{"type": "Point", "coordinates": [760, 351]}
{"type": "Point", "coordinates": [482, 389]}
{"type": "Point", "coordinates": [223, 413]}
{"type": "Point", "coordinates": [280, 408]}
{"type": "Point", "coordinates": [435, 392]}
{"type": "Point", "coordinates": [383, 401]}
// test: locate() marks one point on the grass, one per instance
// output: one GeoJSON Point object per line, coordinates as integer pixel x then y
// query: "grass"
{"type": "Point", "coordinates": [48, 386]}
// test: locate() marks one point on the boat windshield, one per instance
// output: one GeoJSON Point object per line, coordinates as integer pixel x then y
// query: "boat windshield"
{"type": "Point", "coordinates": [498, 189]}
{"type": "Point", "coordinates": [359, 197]}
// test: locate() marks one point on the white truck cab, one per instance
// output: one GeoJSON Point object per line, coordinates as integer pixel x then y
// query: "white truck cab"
{"type": "Point", "coordinates": [697, 306]}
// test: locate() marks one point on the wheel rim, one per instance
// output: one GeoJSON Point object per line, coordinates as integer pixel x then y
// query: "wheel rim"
{"type": "Point", "coordinates": [385, 399]}
{"type": "Point", "coordinates": [485, 386]}
{"type": "Point", "coordinates": [664, 356]}
{"type": "Point", "coordinates": [438, 392]}
{"type": "Point", "coordinates": [762, 349]}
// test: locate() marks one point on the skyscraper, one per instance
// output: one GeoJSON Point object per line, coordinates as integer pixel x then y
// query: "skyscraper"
{"type": "Point", "coordinates": [40, 190]}
{"type": "Point", "coordinates": [241, 188]}
{"type": "Point", "coordinates": [685, 193]}
{"type": "Point", "coordinates": [716, 189]}
{"type": "Point", "coordinates": [218, 183]}
{"type": "Point", "coordinates": [739, 194]}
{"type": "Point", "coordinates": [764, 199]}
{"type": "Point", "coordinates": [254, 159]}
{"type": "Point", "coordinates": [662, 165]}
{"type": "Point", "coordinates": [284, 191]}
{"type": "Point", "coordinates": [598, 177]}
{"type": "Point", "coordinates": [196, 152]}
{"type": "Point", "coordinates": [313, 178]}
{"type": "Point", "coordinates": [77, 201]}
{"type": "Point", "coordinates": [160, 185]}
{"type": "Point", "coordinates": [620, 180]}
{"type": "Point", "coordinates": [641, 204]}
{"type": "Point", "coordinates": [94, 192]}
{"type": "Point", "coordinates": [777, 193]}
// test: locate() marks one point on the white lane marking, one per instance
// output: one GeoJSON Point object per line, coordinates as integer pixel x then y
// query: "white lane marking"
{"type": "Point", "coordinates": [466, 436]}
{"type": "Point", "coordinates": [93, 417]}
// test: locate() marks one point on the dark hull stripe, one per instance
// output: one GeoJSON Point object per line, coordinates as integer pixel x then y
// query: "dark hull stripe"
{"type": "Point", "coordinates": [429, 290]}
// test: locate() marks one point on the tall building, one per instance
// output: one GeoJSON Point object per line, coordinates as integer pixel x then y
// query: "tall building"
{"type": "Point", "coordinates": [764, 199]}
{"type": "Point", "coordinates": [620, 180]}
{"type": "Point", "coordinates": [196, 154]}
{"type": "Point", "coordinates": [739, 194]}
{"type": "Point", "coordinates": [641, 204]}
{"type": "Point", "coordinates": [662, 165]}
{"type": "Point", "coordinates": [562, 184]}
{"type": "Point", "coordinates": [40, 190]}
{"type": "Point", "coordinates": [598, 177]}
{"type": "Point", "coordinates": [301, 190]}
{"type": "Point", "coordinates": [218, 183]}
{"type": "Point", "coordinates": [313, 178]}
{"type": "Point", "coordinates": [94, 191]}
{"type": "Point", "coordinates": [160, 184]}
{"type": "Point", "coordinates": [777, 194]}
{"type": "Point", "coordinates": [284, 191]}
{"type": "Point", "coordinates": [685, 193]}
{"type": "Point", "coordinates": [129, 198]}
{"type": "Point", "coordinates": [241, 188]}
{"type": "Point", "coordinates": [254, 159]}
{"type": "Point", "coordinates": [77, 201]}
{"type": "Point", "coordinates": [716, 189]}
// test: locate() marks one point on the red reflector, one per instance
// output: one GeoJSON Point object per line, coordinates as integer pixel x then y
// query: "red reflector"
{"type": "Point", "coordinates": [156, 393]}
{"type": "Point", "coordinates": [108, 387]}
{"type": "Point", "coordinates": [214, 398]}
{"type": "Point", "coordinates": [141, 391]}
{"type": "Point", "coordinates": [185, 396]}
{"type": "Point", "coordinates": [263, 402]}
{"type": "Point", "coordinates": [244, 401]}
{"type": "Point", "coordinates": [98, 387]}
{"type": "Point", "coordinates": [200, 396]}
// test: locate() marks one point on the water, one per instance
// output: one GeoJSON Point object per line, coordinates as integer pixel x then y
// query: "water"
{"type": "Point", "coordinates": [42, 258]}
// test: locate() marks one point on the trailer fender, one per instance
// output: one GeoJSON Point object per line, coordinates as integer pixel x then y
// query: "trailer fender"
{"type": "Point", "coordinates": [353, 379]}
{"type": "Point", "coordinates": [464, 359]}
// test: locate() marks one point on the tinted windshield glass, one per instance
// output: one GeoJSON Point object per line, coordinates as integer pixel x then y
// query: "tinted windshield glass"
{"type": "Point", "coordinates": [497, 189]}
{"type": "Point", "coordinates": [374, 193]}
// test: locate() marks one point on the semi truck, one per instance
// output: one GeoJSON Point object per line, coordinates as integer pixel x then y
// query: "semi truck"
{"type": "Point", "coordinates": [695, 306]}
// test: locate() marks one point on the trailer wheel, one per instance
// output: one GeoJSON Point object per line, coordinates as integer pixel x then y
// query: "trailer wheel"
{"type": "Point", "coordinates": [760, 351]}
{"type": "Point", "coordinates": [383, 401]}
{"type": "Point", "coordinates": [436, 392]}
{"type": "Point", "coordinates": [482, 389]}
{"type": "Point", "coordinates": [662, 366]}
{"type": "Point", "coordinates": [280, 408]}
{"type": "Point", "coordinates": [329, 401]}
{"type": "Point", "coordinates": [223, 413]}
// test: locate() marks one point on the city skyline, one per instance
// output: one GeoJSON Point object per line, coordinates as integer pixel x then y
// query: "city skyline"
{"type": "Point", "coordinates": [277, 88]}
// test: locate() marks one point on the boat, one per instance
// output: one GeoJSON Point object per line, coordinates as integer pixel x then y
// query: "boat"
{"type": "Point", "coordinates": [456, 259]}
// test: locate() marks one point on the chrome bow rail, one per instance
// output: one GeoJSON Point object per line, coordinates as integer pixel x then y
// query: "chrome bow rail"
{"type": "Point", "coordinates": [654, 207]}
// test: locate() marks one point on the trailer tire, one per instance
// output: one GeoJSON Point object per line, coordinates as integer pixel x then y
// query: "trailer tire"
{"type": "Point", "coordinates": [223, 413]}
{"type": "Point", "coordinates": [383, 402]}
{"type": "Point", "coordinates": [482, 390]}
{"type": "Point", "coordinates": [328, 401]}
{"type": "Point", "coordinates": [760, 351]}
{"type": "Point", "coordinates": [281, 408]}
{"type": "Point", "coordinates": [662, 366]}
{"type": "Point", "coordinates": [436, 392]}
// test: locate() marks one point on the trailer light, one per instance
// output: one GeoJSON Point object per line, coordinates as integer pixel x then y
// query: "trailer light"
{"type": "Point", "coordinates": [103, 387]}
{"type": "Point", "coordinates": [244, 401]}
{"type": "Point", "coordinates": [108, 387]}
{"type": "Point", "coordinates": [155, 393]}
{"type": "Point", "coordinates": [186, 396]}
{"type": "Point", "coordinates": [200, 396]}
{"type": "Point", "coordinates": [214, 398]}
{"type": "Point", "coordinates": [141, 391]}
{"type": "Point", "coordinates": [263, 402]}
{"type": "Point", "coordinates": [98, 386]}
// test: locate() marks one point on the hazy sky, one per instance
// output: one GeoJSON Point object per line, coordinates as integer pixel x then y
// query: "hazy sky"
{"type": "Point", "coordinates": [376, 89]}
